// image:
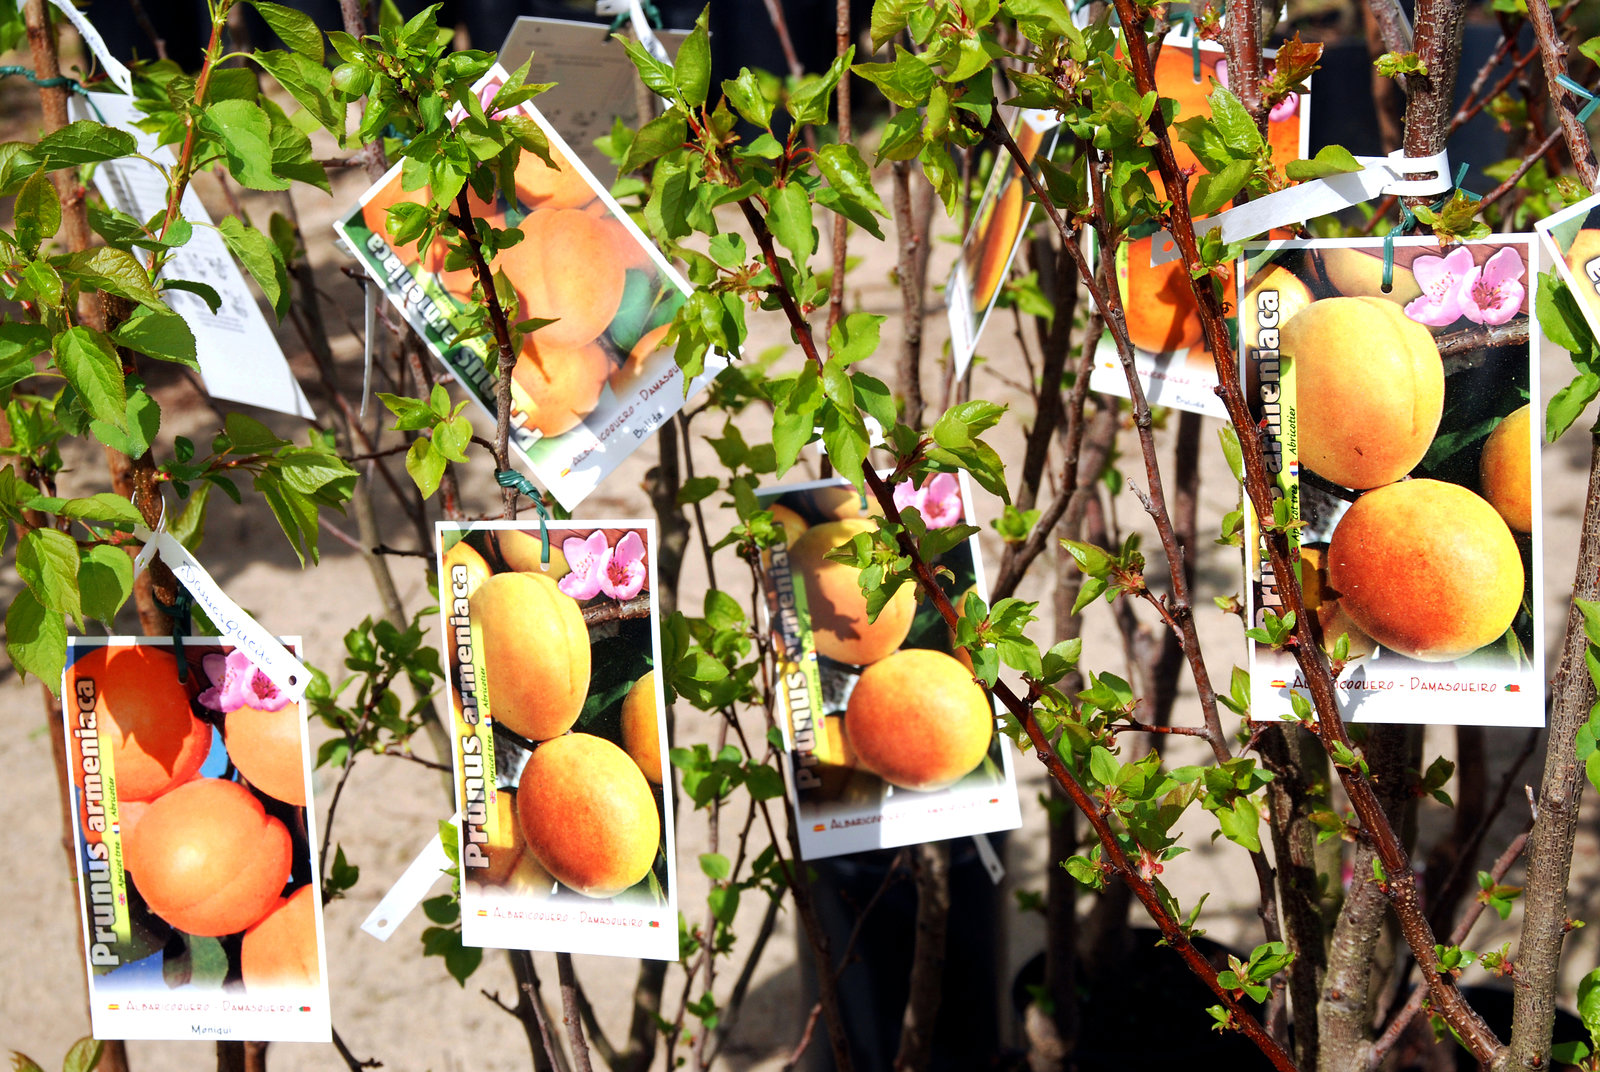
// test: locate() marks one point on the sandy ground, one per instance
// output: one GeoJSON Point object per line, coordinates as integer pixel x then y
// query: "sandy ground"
{"type": "Point", "coordinates": [388, 1002]}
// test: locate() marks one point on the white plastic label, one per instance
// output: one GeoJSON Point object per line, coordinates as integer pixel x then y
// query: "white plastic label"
{"type": "Point", "coordinates": [989, 858]}
{"type": "Point", "coordinates": [409, 890]}
{"type": "Point", "coordinates": [119, 75]}
{"type": "Point", "coordinates": [1318, 197]}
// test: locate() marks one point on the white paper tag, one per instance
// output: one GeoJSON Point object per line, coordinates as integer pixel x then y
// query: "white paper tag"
{"type": "Point", "coordinates": [990, 858]}
{"type": "Point", "coordinates": [409, 889]}
{"type": "Point", "coordinates": [370, 297]}
{"type": "Point", "coordinates": [119, 75]}
{"type": "Point", "coordinates": [246, 634]}
{"type": "Point", "coordinates": [1318, 197]}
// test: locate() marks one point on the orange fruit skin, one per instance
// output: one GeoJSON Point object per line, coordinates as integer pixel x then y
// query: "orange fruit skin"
{"type": "Point", "coordinates": [1159, 303]}
{"type": "Point", "coordinates": [588, 814]}
{"type": "Point", "coordinates": [523, 552]}
{"type": "Point", "coordinates": [208, 858]}
{"type": "Point", "coordinates": [541, 186]}
{"type": "Point", "coordinates": [918, 721]}
{"type": "Point", "coordinates": [1427, 569]}
{"type": "Point", "coordinates": [265, 746]}
{"type": "Point", "coordinates": [156, 742]}
{"type": "Point", "coordinates": [641, 736]}
{"type": "Point", "coordinates": [565, 269]}
{"type": "Point", "coordinates": [280, 949]}
{"type": "Point", "coordinates": [535, 651]}
{"type": "Point", "coordinates": [507, 845]}
{"type": "Point", "coordinates": [839, 626]}
{"type": "Point", "coordinates": [1506, 469]}
{"type": "Point", "coordinates": [625, 378]}
{"type": "Point", "coordinates": [557, 388]}
{"type": "Point", "coordinates": [464, 555]}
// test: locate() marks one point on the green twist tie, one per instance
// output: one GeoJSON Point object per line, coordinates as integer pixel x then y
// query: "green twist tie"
{"type": "Point", "coordinates": [60, 81]}
{"type": "Point", "coordinates": [1408, 220]}
{"type": "Point", "coordinates": [180, 611]}
{"type": "Point", "coordinates": [1572, 86]}
{"type": "Point", "coordinates": [510, 478]}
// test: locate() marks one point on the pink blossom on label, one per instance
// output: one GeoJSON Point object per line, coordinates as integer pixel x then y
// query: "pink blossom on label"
{"type": "Point", "coordinates": [1440, 279]}
{"type": "Point", "coordinates": [586, 559]}
{"type": "Point", "coordinates": [1492, 293]}
{"type": "Point", "coordinates": [622, 572]}
{"type": "Point", "coordinates": [1280, 111]}
{"type": "Point", "coordinates": [237, 682]}
{"type": "Point", "coordinates": [938, 500]}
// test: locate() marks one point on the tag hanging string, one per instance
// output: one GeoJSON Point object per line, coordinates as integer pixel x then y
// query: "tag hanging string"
{"type": "Point", "coordinates": [181, 612]}
{"type": "Point", "coordinates": [72, 85]}
{"type": "Point", "coordinates": [1408, 220]}
{"type": "Point", "coordinates": [1571, 85]}
{"type": "Point", "coordinates": [510, 478]}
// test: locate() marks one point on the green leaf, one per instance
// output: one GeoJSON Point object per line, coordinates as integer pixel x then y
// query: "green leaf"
{"type": "Point", "coordinates": [294, 28]}
{"type": "Point", "coordinates": [1330, 160]}
{"type": "Point", "coordinates": [114, 270]}
{"type": "Point", "coordinates": [842, 166]}
{"type": "Point", "coordinates": [1212, 191]}
{"type": "Point", "coordinates": [105, 581]}
{"type": "Point", "coordinates": [745, 94]}
{"type": "Point", "coordinates": [84, 142]}
{"type": "Point", "coordinates": [244, 133]}
{"type": "Point", "coordinates": [1238, 130]}
{"type": "Point", "coordinates": [1568, 404]}
{"type": "Point", "coordinates": [308, 81]}
{"type": "Point", "coordinates": [1241, 823]}
{"type": "Point", "coordinates": [36, 640]}
{"type": "Point", "coordinates": [83, 1055]}
{"type": "Point", "coordinates": [139, 429]}
{"type": "Point", "coordinates": [426, 466]}
{"type": "Point", "coordinates": [47, 562]}
{"type": "Point", "coordinates": [105, 506]}
{"type": "Point", "coordinates": [653, 73]}
{"type": "Point", "coordinates": [789, 217]}
{"type": "Point", "coordinates": [715, 865]}
{"type": "Point", "coordinates": [692, 71]}
{"type": "Point", "coordinates": [261, 258]}
{"type": "Point", "coordinates": [37, 211]}
{"type": "Point", "coordinates": [763, 782]}
{"type": "Point", "coordinates": [1589, 1003]}
{"type": "Point", "coordinates": [162, 335]}
{"type": "Point", "coordinates": [809, 103]}
{"type": "Point", "coordinates": [86, 359]}
{"type": "Point", "coordinates": [661, 135]}
{"type": "Point", "coordinates": [204, 291]}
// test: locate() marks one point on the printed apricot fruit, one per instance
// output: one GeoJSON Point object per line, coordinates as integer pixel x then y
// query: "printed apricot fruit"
{"type": "Point", "coordinates": [541, 186]}
{"type": "Point", "coordinates": [1162, 314]}
{"type": "Point", "coordinates": [1355, 273]}
{"type": "Point", "coordinates": [1285, 296]}
{"type": "Point", "coordinates": [208, 858]}
{"type": "Point", "coordinates": [505, 841]}
{"type": "Point", "coordinates": [143, 710]}
{"type": "Point", "coordinates": [535, 653]}
{"type": "Point", "coordinates": [556, 388]}
{"type": "Point", "coordinates": [917, 720]}
{"type": "Point", "coordinates": [280, 950]}
{"type": "Point", "coordinates": [588, 814]}
{"type": "Point", "coordinates": [839, 625]}
{"type": "Point", "coordinates": [522, 551]}
{"type": "Point", "coordinates": [997, 234]}
{"type": "Point", "coordinates": [1370, 389]}
{"type": "Point", "coordinates": [266, 747]}
{"type": "Point", "coordinates": [1505, 470]}
{"type": "Point", "coordinates": [463, 554]}
{"type": "Point", "coordinates": [641, 736]}
{"type": "Point", "coordinates": [1427, 569]}
{"type": "Point", "coordinates": [837, 502]}
{"type": "Point", "coordinates": [1581, 257]}
{"type": "Point", "coordinates": [1324, 605]}
{"type": "Point", "coordinates": [628, 374]}
{"type": "Point", "coordinates": [564, 270]}
{"type": "Point", "coordinates": [794, 526]}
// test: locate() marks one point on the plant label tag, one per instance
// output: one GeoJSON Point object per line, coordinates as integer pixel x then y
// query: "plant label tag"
{"type": "Point", "coordinates": [1572, 238]}
{"type": "Point", "coordinates": [409, 889]}
{"type": "Point", "coordinates": [120, 76]}
{"type": "Point", "coordinates": [240, 359]}
{"type": "Point", "coordinates": [195, 844]}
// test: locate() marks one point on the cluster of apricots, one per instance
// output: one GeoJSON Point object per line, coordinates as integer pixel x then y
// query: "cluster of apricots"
{"type": "Point", "coordinates": [203, 852]}
{"type": "Point", "coordinates": [583, 812]}
{"type": "Point", "coordinates": [1162, 314]}
{"type": "Point", "coordinates": [1425, 568]}
{"type": "Point", "coordinates": [916, 718]}
{"type": "Point", "coordinates": [570, 268]}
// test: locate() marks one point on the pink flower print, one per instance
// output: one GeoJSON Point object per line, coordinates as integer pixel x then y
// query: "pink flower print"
{"type": "Point", "coordinates": [486, 94]}
{"type": "Point", "coordinates": [1492, 293]}
{"type": "Point", "coordinates": [1280, 111]}
{"type": "Point", "coordinates": [906, 494]}
{"type": "Point", "coordinates": [1440, 279]}
{"type": "Point", "coordinates": [938, 500]}
{"type": "Point", "coordinates": [586, 559]}
{"type": "Point", "coordinates": [622, 571]}
{"type": "Point", "coordinates": [237, 682]}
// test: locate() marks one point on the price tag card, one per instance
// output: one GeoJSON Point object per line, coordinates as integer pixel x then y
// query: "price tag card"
{"type": "Point", "coordinates": [1175, 368]}
{"type": "Point", "coordinates": [589, 387]}
{"type": "Point", "coordinates": [196, 843]}
{"type": "Point", "coordinates": [890, 741]}
{"type": "Point", "coordinates": [560, 740]}
{"type": "Point", "coordinates": [1000, 225]}
{"type": "Point", "coordinates": [1399, 433]}
{"type": "Point", "coordinates": [1572, 238]}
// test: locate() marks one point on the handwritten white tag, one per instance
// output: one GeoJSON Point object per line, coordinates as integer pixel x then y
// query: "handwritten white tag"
{"type": "Point", "coordinates": [641, 24]}
{"type": "Point", "coordinates": [409, 890]}
{"type": "Point", "coordinates": [989, 858]}
{"type": "Point", "coordinates": [1318, 197]}
{"type": "Point", "coordinates": [243, 631]}
{"type": "Point", "coordinates": [119, 75]}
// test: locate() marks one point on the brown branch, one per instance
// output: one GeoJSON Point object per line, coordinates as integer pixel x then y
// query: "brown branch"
{"type": "Point", "coordinates": [506, 362]}
{"type": "Point", "coordinates": [530, 1010]}
{"type": "Point", "coordinates": [1466, 342]}
{"type": "Point", "coordinates": [928, 957]}
{"type": "Point", "coordinates": [569, 1012]}
{"type": "Point", "coordinates": [1553, 51]}
{"type": "Point", "coordinates": [1522, 169]}
{"type": "Point", "coordinates": [841, 45]}
{"type": "Point", "coordinates": [911, 265]}
{"type": "Point", "coordinates": [613, 610]}
{"type": "Point", "coordinates": [351, 1061]}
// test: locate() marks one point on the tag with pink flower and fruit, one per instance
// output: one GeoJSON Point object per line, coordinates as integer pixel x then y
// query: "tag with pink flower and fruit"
{"type": "Point", "coordinates": [1395, 390]}
{"type": "Point", "coordinates": [552, 643]}
{"type": "Point", "coordinates": [1572, 238]}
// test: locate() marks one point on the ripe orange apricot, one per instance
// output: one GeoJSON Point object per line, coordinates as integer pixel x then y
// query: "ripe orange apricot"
{"type": "Point", "coordinates": [535, 653]}
{"type": "Point", "coordinates": [1370, 389]}
{"type": "Point", "coordinates": [142, 707]}
{"type": "Point", "coordinates": [1506, 469]}
{"type": "Point", "coordinates": [918, 721]}
{"type": "Point", "coordinates": [541, 186]}
{"type": "Point", "coordinates": [1159, 303]}
{"type": "Point", "coordinates": [463, 554]}
{"type": "Point", "coordinates": [280, 950]}
{"type": "Point", "coordinates": [523, 552]}
{"type": "Point", "coordinates": [208, 858]}
{"type": "Point", "coordinates": [588, 814]}
{"type": "Point", "coordinates": [557, 388]}
{"type": "Point", "coordinates": [641, 735]}
{"type": "Point", "coordinates": [839, 625]}
{"type": "Point", "coordinates": [1427, 569]}
{"type": "Point", "coordinates": [1322, 603]}
{"type": "Point", "coordinates": [266, 747]}
{"type": "Point", "coordinates": [564, 270]}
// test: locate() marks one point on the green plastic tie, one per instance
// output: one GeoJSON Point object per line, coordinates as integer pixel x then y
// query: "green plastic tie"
{"type": "Point", "coordinates": [1408, 220]}
{"type": "Point", "coordinates": [71, 84]}
{"type": "Point", "coordinates": [1572, 86]}
{"type": "Point", "coordinates": [181, 613]}
{"type": "Point", "coordinates": [510, 478]}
